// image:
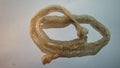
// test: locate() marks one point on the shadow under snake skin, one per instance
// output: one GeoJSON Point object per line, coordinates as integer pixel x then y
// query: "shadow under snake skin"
{"type": "Point", "coordinates": [73, 48]}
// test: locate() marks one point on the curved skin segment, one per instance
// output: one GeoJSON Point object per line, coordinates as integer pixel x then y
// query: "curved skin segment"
{"type": "Point", "coordinates": [74, 48]}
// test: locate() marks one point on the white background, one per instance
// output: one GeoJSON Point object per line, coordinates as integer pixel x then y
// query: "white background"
{"type": "Point", "coordinates": [17, 49]}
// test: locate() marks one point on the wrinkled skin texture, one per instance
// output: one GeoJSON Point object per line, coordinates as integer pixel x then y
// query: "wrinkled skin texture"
{"type": "Point", "coordinates": [73, 48]}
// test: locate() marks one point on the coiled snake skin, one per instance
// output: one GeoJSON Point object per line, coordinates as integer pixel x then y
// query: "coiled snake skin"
{"type": "Point", "coordinates": [74, 48]}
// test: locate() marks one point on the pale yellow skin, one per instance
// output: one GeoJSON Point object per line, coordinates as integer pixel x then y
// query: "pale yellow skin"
{"type": "Point", "coordinates": [73, 48]}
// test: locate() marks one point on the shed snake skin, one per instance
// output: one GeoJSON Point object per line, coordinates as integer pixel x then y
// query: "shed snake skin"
{"type": "Point", "coordinates": [73, 48]}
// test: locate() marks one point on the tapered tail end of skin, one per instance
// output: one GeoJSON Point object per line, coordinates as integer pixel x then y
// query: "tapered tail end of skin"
{"type": "Point", "coordinates": [48, 58]}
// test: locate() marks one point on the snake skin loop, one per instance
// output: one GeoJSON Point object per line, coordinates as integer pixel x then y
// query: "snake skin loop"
{"type": "Point", "coordinates": [73, 48]}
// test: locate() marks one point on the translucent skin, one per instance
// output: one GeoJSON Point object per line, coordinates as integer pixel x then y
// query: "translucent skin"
{"type": "Point", "coordinates": [73, 48]}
